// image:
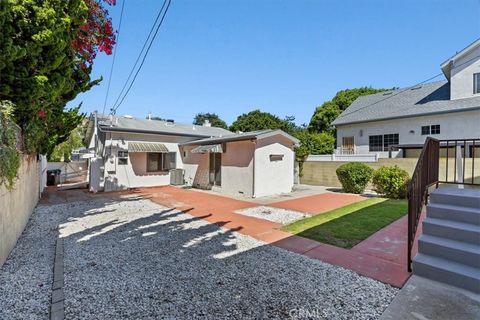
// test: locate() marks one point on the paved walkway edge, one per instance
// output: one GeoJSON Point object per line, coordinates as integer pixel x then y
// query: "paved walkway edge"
{"type": "Point", "coordinates": [57, 309]}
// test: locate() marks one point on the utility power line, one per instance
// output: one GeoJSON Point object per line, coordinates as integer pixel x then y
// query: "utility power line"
{"type": "Point", "coordinates": [145, 49]}
{"type": "Point", "coordinates": [408, 88]}
{"type": "Point", "coordinates": [114, 56]}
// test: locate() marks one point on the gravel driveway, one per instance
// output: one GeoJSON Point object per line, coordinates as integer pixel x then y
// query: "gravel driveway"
{"type": "Point", "coordinates": [133, 259]}
{"type": "Point", "coordinates": [26, 276]}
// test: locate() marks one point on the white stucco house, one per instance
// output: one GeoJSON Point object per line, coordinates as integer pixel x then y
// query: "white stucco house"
{"type": "Point", "coordinates": [132, 153]}
{"type": "Point", "coordinates": [447, 109]}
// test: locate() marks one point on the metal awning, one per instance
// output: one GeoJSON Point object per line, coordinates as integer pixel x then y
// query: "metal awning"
{"type": "Point", "coordinates": [147, 147]}
{"type": "Point", "coordinates": [210, 148]}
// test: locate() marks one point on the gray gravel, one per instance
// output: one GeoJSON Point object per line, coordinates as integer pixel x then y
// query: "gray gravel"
{"type": "Point", "coordinates": [26, 276]}
{"type": "Point", "coordinates": [136, 259]}
{"type": "Point", "coordinates": [133, 259]}
{"type": "Point", "coordinates": [273, 214]}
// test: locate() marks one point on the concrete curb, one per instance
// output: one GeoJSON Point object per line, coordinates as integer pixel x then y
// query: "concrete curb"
{"type": "Point", "coordinates": [57, 309]}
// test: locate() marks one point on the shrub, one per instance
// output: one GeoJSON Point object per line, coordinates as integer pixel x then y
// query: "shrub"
{"type": "Point", "coordinates": [354, 176]}
{"type": "Point", "coordinates": [391, 182]}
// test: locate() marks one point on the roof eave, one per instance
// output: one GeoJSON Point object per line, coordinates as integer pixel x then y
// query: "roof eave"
{"type": "Point", "coordinates": [447, 64]}
{"type": "Point", "coordinates": [447, 69]}
{"type": "Point", "coordinates": [217, 140]}
{"type": "Point", "coordinates": [463, 52]}
{"type": "Point", "coordinates": [128, 130]}
{"type": "Point", "coordinates": [279, 132]}
{"type": "Point", "coordinates": [407, 116]}
{"type": "Point", "coordinates": [244, 138]}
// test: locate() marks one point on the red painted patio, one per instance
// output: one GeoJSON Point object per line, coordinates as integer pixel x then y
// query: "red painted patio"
{"type": "Point", "coordinates": [382, 256]}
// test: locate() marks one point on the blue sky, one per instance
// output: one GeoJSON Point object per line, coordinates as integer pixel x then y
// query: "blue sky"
{"type": "Point", "coordinates": [281, 56]}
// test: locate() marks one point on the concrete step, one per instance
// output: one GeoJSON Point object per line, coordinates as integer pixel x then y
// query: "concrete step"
{"type": "Point", "coordinates": [448, 272]}
{"type": "Point", "coordinates": [456, 197]}
{"type": "Point", "coordinates": [457, 251]}
{"type": "Point", "coordinates": [452, 230]}
{"type": "Point", "coordinates": [454, 213]}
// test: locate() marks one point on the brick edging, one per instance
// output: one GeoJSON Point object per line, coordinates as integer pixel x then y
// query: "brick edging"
{"type": "Point", "coordinates": [57, 308]}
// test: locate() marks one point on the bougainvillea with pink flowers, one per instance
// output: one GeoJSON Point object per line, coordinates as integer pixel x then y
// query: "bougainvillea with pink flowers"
{"type": "Point", "coordinates": [96, 34]}
{"type": "Point", "coordinates": [47, 50]}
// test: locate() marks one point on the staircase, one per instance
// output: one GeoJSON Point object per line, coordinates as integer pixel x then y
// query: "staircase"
{"type": "Point", "coordinates": [449, 248]}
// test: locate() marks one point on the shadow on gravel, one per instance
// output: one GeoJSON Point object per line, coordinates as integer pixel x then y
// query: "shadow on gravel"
{"type": "Point", "coordinates": [130, 259]}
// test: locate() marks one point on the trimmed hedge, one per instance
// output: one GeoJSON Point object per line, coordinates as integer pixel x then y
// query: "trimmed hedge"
{"type": "Point", "coordinates": [392, 182]}
{"type": "Point", "coordinates": [354, 176]}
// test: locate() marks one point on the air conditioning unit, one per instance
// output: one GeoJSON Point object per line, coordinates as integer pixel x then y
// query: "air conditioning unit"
{"type": "Point", "coordinates": [177, 177]}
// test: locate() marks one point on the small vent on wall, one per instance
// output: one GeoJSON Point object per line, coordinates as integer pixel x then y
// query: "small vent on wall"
{"type": "Point", "coordinates": [276, 157]}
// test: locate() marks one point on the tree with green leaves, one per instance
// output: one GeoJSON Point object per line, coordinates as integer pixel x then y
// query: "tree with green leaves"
{"type": "Point", "coordinates": [324, 115]}
{"type": "Point", "coordinates": [258, 120]}
{"type": "Point", "coordinates": [9, 155]}
{"type": "Point", "coordinates": [47, 48]}
{"type": "Point", "coordinates": [63, 151]}
{"type": "Point", "coordinates": [213, 118]}
{"type": "Point", "coordinates": [312, 143]}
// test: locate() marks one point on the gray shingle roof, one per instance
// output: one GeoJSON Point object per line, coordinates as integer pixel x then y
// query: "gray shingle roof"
{"type": "Point", "coordinates": [161, 127]}
{"type": "Point", "coordinates": [430, 98]}
{"type": "Point", "coordinates": [260, 134]}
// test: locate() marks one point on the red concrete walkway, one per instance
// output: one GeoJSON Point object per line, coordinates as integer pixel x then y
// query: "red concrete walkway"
{"type": "Point", "coordinates": [54, 195]}
{"type": "Point", "coordinates": [214, 209]}
{"type": "Point", "coordinates": [381, 256]}
{"type": "Point", "coordinates": [389, 244]}
{"type": "Point", "coordinates": [319, 203]}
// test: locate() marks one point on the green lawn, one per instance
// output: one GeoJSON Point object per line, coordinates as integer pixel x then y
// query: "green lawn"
{"type": "Point", "coordinates": [345, 227]}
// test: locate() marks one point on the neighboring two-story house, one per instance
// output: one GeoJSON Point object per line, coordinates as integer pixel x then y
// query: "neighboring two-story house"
{"type": "Point", "coordinates": [447, 109]}
{"type": "Point", "coordinates": [131, 153]}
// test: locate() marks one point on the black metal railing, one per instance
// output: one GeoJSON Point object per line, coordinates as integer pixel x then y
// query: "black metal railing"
{"type": "Point", "coordinates": [463, 153]}
{"type": "Point", "coordinates": [436, 166]}
{"type": "Point", "coordinates": [424, 176]}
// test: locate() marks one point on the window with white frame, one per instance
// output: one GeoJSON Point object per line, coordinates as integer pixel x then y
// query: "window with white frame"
{"type": "Point", "coordinates": [435, 129]}
{"type": "Point", "coordinates": [425, 130]}
{"type": "Point", "coordinates": [389, 140]}
{"type": "Point", "coordinates": [375, 143]}
{"type": "Point", "coordinates": [382, 142]}
{"type": "Point", "coordinates": [432, 129]}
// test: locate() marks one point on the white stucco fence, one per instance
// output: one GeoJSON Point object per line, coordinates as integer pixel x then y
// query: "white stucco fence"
{"type": "Point", "coordinates": [372, 157]}
{"type": "Point", "coordinates": [17, 205]}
